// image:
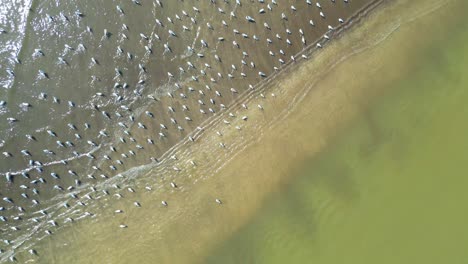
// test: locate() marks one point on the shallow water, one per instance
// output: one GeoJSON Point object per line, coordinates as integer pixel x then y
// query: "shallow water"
{"type": "Point", "coordinates": [391, 187]}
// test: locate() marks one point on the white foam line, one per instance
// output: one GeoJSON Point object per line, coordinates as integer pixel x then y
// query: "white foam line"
{"type": "Point", "coordinates": [51, 163]}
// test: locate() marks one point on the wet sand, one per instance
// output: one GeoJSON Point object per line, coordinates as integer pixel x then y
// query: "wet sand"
{"type": "Point", "coordinates": [310, 106]}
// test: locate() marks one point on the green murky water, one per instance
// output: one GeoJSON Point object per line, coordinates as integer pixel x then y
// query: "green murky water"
{"type": "Point", "coordinates": [392, 187]}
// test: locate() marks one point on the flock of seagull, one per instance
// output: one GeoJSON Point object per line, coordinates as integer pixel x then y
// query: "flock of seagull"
{"type": "Point", "coordinates": [190, 66]}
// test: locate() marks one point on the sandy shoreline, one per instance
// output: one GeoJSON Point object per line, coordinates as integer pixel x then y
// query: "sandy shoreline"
{"type": "Point", "coordinates": [263, 86]}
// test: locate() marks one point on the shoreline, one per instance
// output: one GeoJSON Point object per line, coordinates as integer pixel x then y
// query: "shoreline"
{"type": "Point", "coordinates": [249, 94]}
